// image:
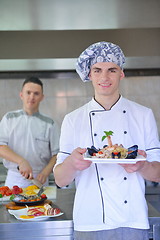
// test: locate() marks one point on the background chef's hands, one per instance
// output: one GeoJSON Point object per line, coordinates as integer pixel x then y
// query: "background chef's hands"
{"type": "Point", "coordinates": [44, 174]}
{"type": "Point", "coordinates": [77, 161]}
{"type": "Point", "coordinates": [130, 168]}
{"type": "Point", "coordinates": [41, 177]}
{"type": "Point", "coordinates": [25, 169]}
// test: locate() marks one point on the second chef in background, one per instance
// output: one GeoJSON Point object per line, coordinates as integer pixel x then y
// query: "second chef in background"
{"type": "Point", "coordinates": [28, 139]}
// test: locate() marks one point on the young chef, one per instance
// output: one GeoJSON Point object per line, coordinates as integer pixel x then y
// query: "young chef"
{"type": "Point", "coordinates": [28, 139]}
{"type": "Point", "coordinates": [109, 201]}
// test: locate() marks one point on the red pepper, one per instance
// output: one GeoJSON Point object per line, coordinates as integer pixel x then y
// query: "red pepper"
{"type": "Point", "coordinates": [100, 152]}
{"type": "Point", "coordinates": [43, 196]}
{"type": "Point", "coordinates": [115, 153]}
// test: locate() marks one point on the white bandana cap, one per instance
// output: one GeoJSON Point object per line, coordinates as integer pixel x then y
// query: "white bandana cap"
{"type": "Point", "coordinates": [98, 52]}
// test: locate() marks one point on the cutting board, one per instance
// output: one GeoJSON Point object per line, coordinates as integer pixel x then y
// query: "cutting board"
{"type": "Point", "coordinates": [50, 191]}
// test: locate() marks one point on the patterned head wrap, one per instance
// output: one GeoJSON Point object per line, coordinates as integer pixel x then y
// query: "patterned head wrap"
{"type": "Point", "coordinates": [98, 52]}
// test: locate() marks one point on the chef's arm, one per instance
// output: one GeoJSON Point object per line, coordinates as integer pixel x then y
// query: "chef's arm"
{"type": "Point", "coordinates": [24, 167]}
{"type": "Point", "coordinates": [65, 172]}
{"type": "Point", "coordinates": [43, 175]}
{"type": "Point", "coordinates": [151, 171]}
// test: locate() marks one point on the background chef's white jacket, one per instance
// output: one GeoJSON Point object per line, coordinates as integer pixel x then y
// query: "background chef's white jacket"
{"type": "Point", "coordinates": [34, 137]}
{"type": "Point", "coordinates": [107, 196]}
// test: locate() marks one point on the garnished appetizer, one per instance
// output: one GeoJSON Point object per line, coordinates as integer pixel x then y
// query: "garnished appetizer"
{"type": "Point", "coordinates": [113, 151]}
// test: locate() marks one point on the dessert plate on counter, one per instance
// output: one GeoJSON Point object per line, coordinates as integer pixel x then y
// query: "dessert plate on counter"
{"type": "Point", "coordinates": [21, 214]}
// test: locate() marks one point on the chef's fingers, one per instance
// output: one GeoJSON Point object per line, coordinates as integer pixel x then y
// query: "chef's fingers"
{"type": "Point", "coordinates": [26, 175]}
{"type": "Point", "coordinates": [30, 176]}
{"type": "Point", "coordinates": [143, 153]}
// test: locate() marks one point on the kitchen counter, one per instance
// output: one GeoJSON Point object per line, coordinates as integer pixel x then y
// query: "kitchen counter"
{"type": "Point", "coordinates": [53, 228]}
{"type": "Point", "coordinates": [59, 228]}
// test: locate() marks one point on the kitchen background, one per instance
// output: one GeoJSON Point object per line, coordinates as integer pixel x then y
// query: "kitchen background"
{"type": "Point", "coordinates": [44, 38]}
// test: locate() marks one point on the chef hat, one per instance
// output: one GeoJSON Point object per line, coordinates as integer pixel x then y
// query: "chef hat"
{"type": "Point", "coordinates": [98, 52]}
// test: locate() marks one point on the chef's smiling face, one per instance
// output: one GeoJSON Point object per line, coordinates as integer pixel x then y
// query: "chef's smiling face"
{"type": "Point", "coordinates": [31, 96]}
{"type": "Point", "coordinates": [105, 77]}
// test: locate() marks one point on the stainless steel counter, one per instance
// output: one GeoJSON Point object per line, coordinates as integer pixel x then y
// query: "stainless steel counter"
{"type": "Point", "coordinates": [60, 228]}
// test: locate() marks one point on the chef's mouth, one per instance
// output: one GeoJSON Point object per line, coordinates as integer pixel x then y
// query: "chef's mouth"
{"type": "Point", "coordinates": [105, 84]}
{"type": "Point", "coordinates": [31, 102]}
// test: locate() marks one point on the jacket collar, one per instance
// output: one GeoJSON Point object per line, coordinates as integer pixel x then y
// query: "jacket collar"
{"type": "Point", "coordinates": [97, 106]}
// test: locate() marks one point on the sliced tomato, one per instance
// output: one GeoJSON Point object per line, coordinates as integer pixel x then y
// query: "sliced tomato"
{"type": "Point", "coordinates": [43, 196]}
{"type": "Point", "coordinates": [8, 193]}
{"type": "Point", "coordinates": [116, 153]}
{"type": "Point", "coordinates": [15, 187]}
{"type": "Point", "coordinates": [20, 190]}
{"type": "Point", "coordinates": [16, 190]}
{"type": "Point", "coordinates": [4, 189]}
{"type": "Point", "coordinates": [100, 152]}
{"type": "Point", "coordinates": [2, 192]}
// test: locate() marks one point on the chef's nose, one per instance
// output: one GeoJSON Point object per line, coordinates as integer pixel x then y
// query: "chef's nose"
{"type": "Point", "coordinates": [105, 76]}
{"type": "Point", "coordinates": [32, 95]}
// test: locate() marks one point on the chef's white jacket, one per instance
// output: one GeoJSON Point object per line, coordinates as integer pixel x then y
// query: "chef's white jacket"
{"type": "Point", "coordinates": [108, 197]}
{"type": "Point", "coordinates": [34, 137]}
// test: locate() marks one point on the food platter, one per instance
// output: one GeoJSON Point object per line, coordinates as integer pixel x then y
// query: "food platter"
{"type": "Point", "coordinates": [114, 160]}
{"type": "Point", "coordinates": [50, 191]}
{"type": "Point", "coordinates": [20, 212]}
{"type": "Point", "coordinates": [29, 203]}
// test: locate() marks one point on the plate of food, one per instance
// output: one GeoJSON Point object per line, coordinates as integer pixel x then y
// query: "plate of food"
{"type": "Point", "coordinates": [114, 160]}
{"type": "Point", "coordinates": [116, 153]}
{"type": "Point", "coordinates": [31, 200]}
{"type": "Point", "coordinates": [37, 213]}
{"type": "Point", "coordinates": [6, 193]}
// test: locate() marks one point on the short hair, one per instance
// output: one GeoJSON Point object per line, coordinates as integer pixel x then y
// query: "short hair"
{"type": "Point", "coordinates": [33, 80]}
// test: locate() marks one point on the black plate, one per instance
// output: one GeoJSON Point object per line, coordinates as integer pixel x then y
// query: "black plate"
{"type": "Point", "coordinates": [29, 203]}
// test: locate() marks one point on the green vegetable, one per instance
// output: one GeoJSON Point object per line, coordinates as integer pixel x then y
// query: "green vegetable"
{"type": "Point", "coordinates": [1, 195]}
{"type": "Point", "coordinates": [107, 134]}
{"type": "Point", "coordinates": [12, 197]}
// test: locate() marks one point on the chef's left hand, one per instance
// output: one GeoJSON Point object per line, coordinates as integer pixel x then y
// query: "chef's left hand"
{"type": "Point", "coordinates": [130, 168]}
{"type": "Point", "coordinates": [41, 177]}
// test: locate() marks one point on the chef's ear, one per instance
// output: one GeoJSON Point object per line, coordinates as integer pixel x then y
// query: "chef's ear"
{"type": "Point", "coordinates": [89, 76]}
{"type": "Point", "coordinates": [42, 97]}
{"type": "Point", "coordinates": [20, 95]}
{"type": "Point", "coordinates": [122, 75]}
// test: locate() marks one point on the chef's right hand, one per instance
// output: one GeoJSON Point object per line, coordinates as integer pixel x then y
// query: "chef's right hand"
{"type": "Point", "coordinates": [25, 169]}
{"type": "Point", "coordinates": [77, 161]}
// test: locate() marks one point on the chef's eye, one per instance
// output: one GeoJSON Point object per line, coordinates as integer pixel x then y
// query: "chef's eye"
{"type": "Point", "coordinates": [112, 70]}
{"type": "Point", "coordinates": [36, 93]}
{"type": "Point", "coordinates": [97, 70]}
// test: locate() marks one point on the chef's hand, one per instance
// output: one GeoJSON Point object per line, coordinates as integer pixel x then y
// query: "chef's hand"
{"type": "Point", "coordinates": [42, 177]}
{"type": "Point", "coordinates": [25, 169]}
{"type": "Point", "coordinates": [77, 161]}
{"type": "Point", "coordinates": [131, 168]}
